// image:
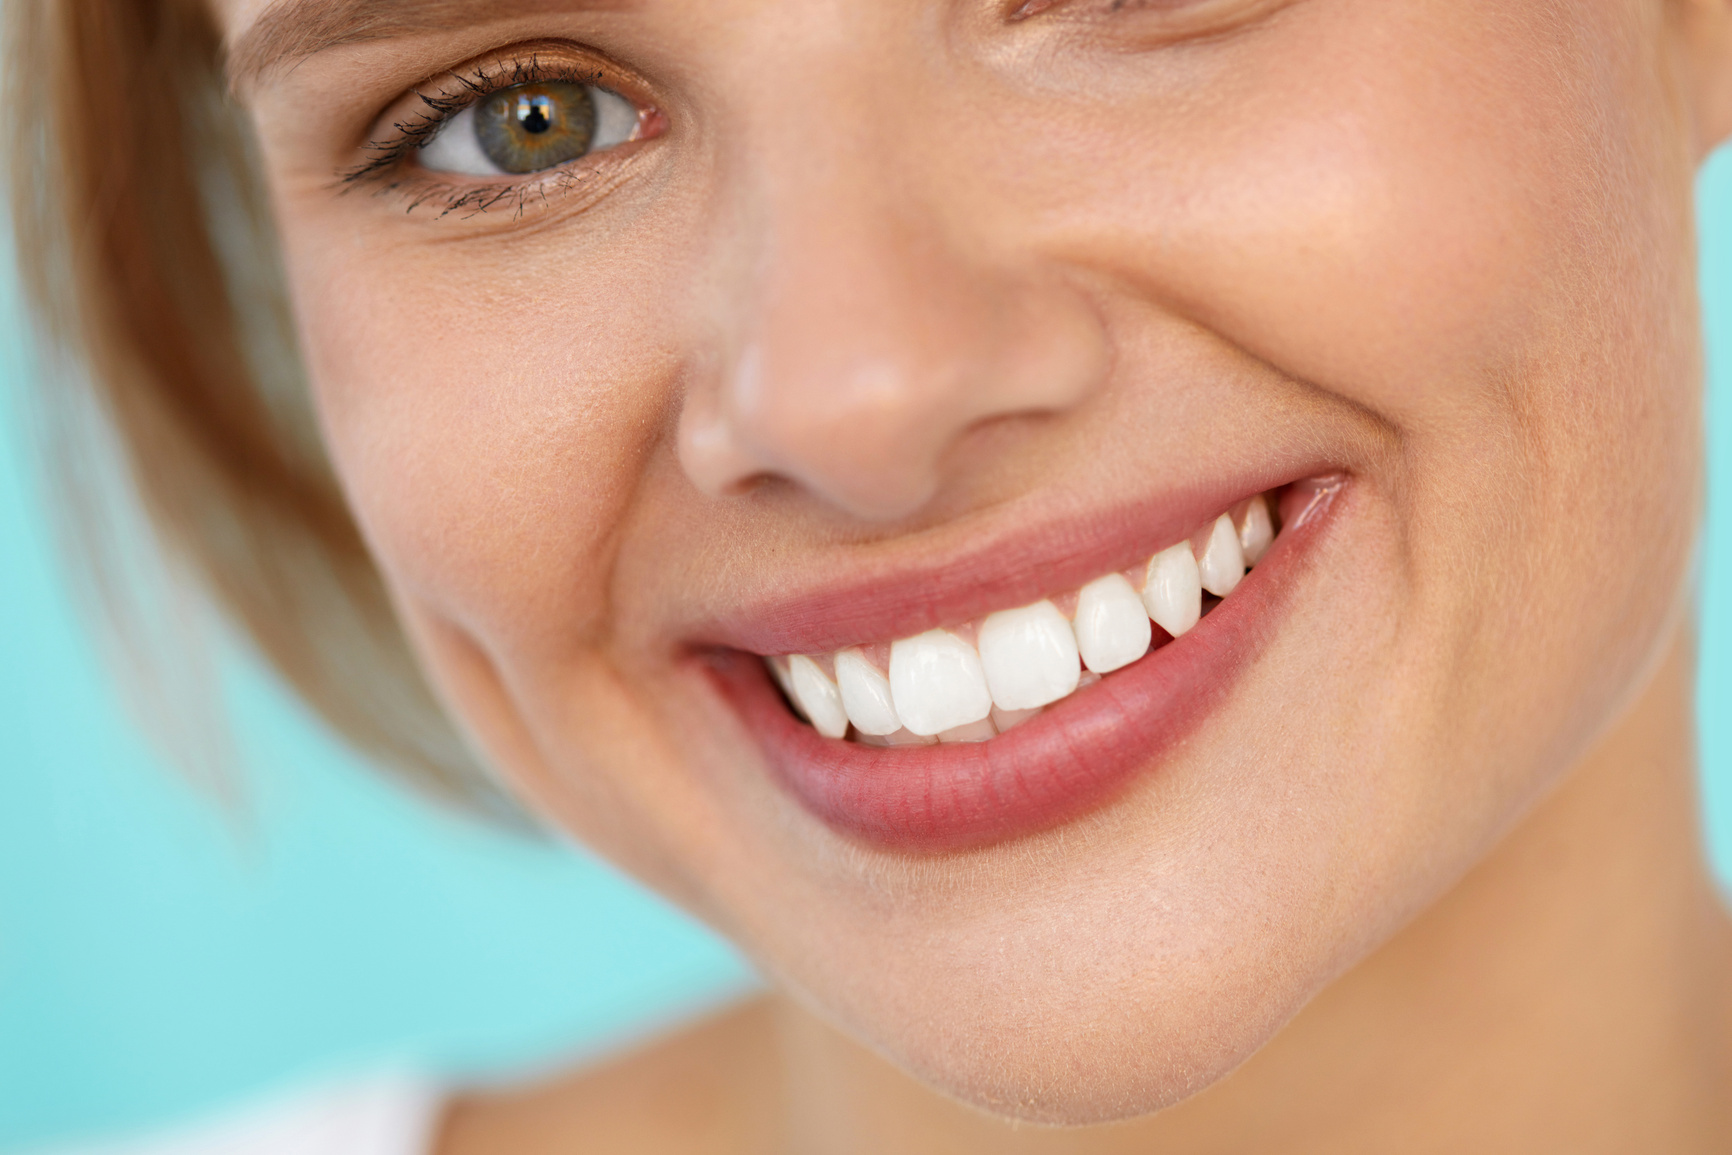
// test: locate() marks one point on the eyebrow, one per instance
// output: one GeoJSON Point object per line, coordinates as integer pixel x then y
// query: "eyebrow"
{"type": "Point", "coordinates": [289, 31]}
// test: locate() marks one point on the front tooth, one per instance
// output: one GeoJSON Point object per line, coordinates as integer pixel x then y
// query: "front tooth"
{"type": "Point", "coordinates": [980, 731]}
{"type": "Point", "coordinates": [1112, 627]}
{"type": "Point", "coordinates": [1003, 720]}
{"type": "Point", "coordinates": [865, 694]}
{"type": "Point", "coordinates": [778, 667]}
{"type": "Point", "coordinates": [1258, 532]}
{"type": "Point", "coordinates": [937, 683]}
{"type": "Point", "coordinates": [1223, 563]}
{"type": "Point", "coordinates": [1029, 655]}
{"type": "Point", "coordinates": [900, 738]}
{"type": "Point", "coordinates": [1173, 592]}
{"type": "Point", "coordinates": [818, 697]}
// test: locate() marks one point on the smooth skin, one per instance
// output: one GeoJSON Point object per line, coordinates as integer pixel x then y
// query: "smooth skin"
{"type": "Point", "coordinates": [885, 279]}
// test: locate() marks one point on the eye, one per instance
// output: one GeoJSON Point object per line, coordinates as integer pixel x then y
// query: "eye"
{"type": "Point", "coordinates": [530, 128]}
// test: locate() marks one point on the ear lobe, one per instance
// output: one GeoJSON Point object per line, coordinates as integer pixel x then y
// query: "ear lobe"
{"type": "Point", "coordinates": [1706, 28]}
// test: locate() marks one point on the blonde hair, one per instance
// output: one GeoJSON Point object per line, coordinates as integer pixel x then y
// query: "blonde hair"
{"type": "Point", "coordinates": [150, 273]}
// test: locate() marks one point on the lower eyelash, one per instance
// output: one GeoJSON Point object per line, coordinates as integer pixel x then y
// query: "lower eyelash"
{"type": "Point", "coordinates": [476, 199]}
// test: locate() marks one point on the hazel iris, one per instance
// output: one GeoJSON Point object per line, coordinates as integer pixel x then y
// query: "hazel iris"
{"type": "Point", "coordinates": [530, 127]}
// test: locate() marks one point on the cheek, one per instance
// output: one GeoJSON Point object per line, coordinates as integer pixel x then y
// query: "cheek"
{"type": "Point", "coordinates": [1408, 204]}
{"type": "Point", "coordinates": [1460, 216]}
{"type": "Point", "coordinates": [489, 411]}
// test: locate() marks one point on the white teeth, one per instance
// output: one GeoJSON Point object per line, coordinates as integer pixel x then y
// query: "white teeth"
{"type": "Point", "coordinates": [1003, 720]}
{"type": "Point", "coordinates": [900, 738]}
{"type": "Point", "coordinates": [982, 679]}
{"type": "Point", "coordinates": [779, 671]}
{"type": "Point", "coordinates": [1112, 626]}
{"type": "Point", "coordinates": [973, 732]}
{"type": "Point", "coordinates": [818, 697]}
{"type": "Point", "coordinates": [1173, 593]}
{"type": "Point", "coordinates": [865, 694]}
{"type": "Point", "coordinates": [1223, 562]}
{"type": "Point", "coordinates": [937, 683]}
{"type": "Point", "coordinates": [1030, 656]}
{"type": "Point", "coordinates": [1258, 531]}
{"type": "Point", "coordinates": [909, 738]}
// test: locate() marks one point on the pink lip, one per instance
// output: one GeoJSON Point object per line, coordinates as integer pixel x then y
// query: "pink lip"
{"type": "Point", "coordinates": [1013, 565]}
{"type": "Point", "coordinates": [1074, 758]}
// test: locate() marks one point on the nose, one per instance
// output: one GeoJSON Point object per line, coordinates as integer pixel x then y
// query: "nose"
{"type": "Point", "coordinates": [867, 335]}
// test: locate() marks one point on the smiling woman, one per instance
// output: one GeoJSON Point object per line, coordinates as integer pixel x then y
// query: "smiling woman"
{"type": "Point", "coordinates": [1134, 556]}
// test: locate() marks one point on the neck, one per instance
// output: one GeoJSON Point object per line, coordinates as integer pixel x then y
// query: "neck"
{"type": "Point", "coordinates": [1571, 994]}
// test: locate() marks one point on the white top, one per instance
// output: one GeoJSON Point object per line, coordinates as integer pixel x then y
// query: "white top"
{"type": "Point", "coordinates": [380, 1116]}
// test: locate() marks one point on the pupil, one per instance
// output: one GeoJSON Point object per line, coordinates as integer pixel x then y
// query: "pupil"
{"type": "Point", "coordinates": [534, 114]}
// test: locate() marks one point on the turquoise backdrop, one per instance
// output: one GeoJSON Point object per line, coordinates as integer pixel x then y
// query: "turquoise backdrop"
{"type": "Point", "coordinates": [159, 955]}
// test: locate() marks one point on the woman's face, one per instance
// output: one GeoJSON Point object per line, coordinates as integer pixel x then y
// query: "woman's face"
{"type": "Point", "coordinates": [862, 319]}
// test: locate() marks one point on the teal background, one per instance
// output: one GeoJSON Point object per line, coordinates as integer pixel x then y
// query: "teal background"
{"type": "Point", "coordinates": [161, 951]}
{"type": "Point", "coordinates": [159, 954]}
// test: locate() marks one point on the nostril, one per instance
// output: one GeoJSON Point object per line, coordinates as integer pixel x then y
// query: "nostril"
{"type": "Point", "coordinates": [869, 452]}
{"type": "Point", "coordinates": [761, 484]}
{"type": "Point", "coordinates": [862, 358]}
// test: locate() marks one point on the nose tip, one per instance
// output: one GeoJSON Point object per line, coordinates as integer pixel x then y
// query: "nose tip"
{"type": "Point", "coordinates": [858, 404]}
{"type": "Point", "coordinates": [844, 437]}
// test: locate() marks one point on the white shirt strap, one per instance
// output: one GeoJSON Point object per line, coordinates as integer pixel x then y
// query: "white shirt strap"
{"type": "Point", "coordinates": [388, 1116]}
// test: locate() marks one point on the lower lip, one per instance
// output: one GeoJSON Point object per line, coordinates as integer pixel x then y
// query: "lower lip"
{"type": "Point", "coordinates": [1075, 757]}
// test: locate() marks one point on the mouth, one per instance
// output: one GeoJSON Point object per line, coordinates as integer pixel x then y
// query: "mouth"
{"type": "Point", "coordinates": [1016, 720]}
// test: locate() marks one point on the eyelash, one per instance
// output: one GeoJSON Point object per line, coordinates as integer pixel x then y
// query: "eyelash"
{"type": "Point", "coordinates": [384, 170]}
{"type": "Point", "coordinates": [1187, 20]}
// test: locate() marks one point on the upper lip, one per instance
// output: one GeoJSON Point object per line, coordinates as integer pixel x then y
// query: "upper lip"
{"type": "Point", "coordinates": [885, 594]}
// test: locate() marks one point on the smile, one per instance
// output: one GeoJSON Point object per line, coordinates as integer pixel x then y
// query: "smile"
{"type": "Point", "coordinates": [972, 682]}
{"type": "Point", "coordinates": [1018, 719]}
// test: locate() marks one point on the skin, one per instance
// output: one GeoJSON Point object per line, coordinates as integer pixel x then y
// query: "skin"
{"type": "Point", "coordinates": [1569, 995]}
{"type": "Point", "coordinates": [891, 278]}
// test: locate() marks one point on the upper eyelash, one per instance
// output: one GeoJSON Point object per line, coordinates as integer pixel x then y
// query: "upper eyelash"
{"type": "Point", "coordinates": [386, 156]}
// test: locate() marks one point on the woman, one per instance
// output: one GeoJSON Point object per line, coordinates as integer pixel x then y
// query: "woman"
{"type": "Point", "coordinates": [1135, 556]}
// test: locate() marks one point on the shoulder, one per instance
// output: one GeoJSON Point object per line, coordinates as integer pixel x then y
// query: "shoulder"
{"type": "Point", "coordinates": [709, 1089]}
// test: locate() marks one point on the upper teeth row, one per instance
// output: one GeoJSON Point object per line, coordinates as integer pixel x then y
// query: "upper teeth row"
{"type": "Point", "coordinates": [943, 686]}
